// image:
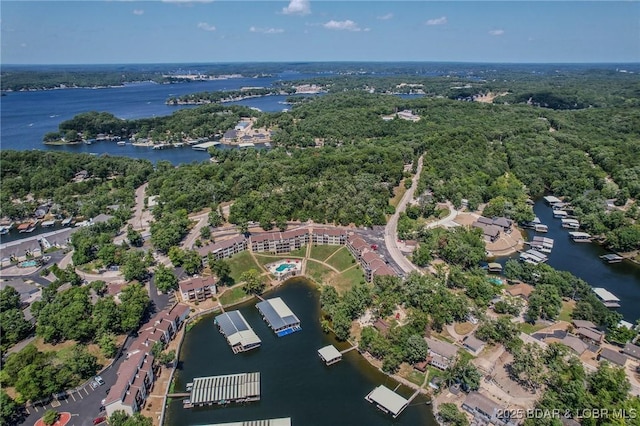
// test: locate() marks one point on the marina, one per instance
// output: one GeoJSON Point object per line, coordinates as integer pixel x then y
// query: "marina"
{"type": "Point", "coordinates": [284, 421]}
{"type": "Point", "coordinates": [560, 214]}
{"type": "Point", "coordinates": [608, 299]}
{"type": "Point", "coordinates": [225, 389]}
{"type": "Point", "coordinates": [237, 331]}
{"type": "Point", "coordinates": [541, 244]}
{"type": "Point", "coordinates": [205, 145]}
{"type": "Point", "coordinates": [279, 317]}
{"type": "Point", "coordinates": [540, 227]}
{"type": "Point", "coordinates": [570, 223]}
{"type": "Point", "coordinates": [533, 257]}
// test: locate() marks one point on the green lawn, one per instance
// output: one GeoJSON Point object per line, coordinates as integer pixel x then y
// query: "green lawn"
{"type": "Point", "coordinates": [232, 296]}
{"type": "Point", "coordinates": [264, 259]}
{"type": "Point", "coordinates": [322, 252]}
{"type": "Point", "coordinates": [566, 311]}
{"type": "Point", "coordinates": [345, 280]}
{"type": "Point", "coordinates": [301, 252]}
{"type": "Point", "coordinates": [415, 377]}
{"type": "Point", "coordinates": [241, 262]}
{"type": "Point", "coordinates": [317, 271]}
{"type": "Point", "coordinates": [528, 328]}
{"type": "Point", "coordinates": [342, 259]}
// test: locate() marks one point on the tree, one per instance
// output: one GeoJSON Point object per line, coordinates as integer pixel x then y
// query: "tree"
{"type": "Point", "coordinates": [221, 269]}
{"type": "Point", "coordinates": [450, 415]}
{"type": "Point", "coordinates": [50, 417]}
{"type": "Point", "coordinates": [9, 299]}
{"type": "Point", "coordinates": [120, 418]}
{"type": "Point", "coordinates": [10, 411]}
{"type": "Point", "coordinates": [133, 267]}
{"type": "Point", "coordinates": [341, 324]}
{"type": "Point", "coordinates": [81, 363]}
{"type": "Point", "coordinates": [13, 328]}
{"type": "Point", "coordinates": [157, 348]}
{"type": "Point", "coordinates": [545, 302]}
{"type": "Point", "coordinates": [415, 349]}
{"type": "Point", "coordinates": [527, 366]}
{"type": "Point", "coordinates": [134, 302]}
{"type": "Point", "coordinates": [134, 237]}
{"type": "Point", "coordinates": [167, 358]}
{"type": "Point", "coordinates": [191, 262]}
{"type": "Point", "coordinates": [465, 373]}
{"type": "Point", "coordinates": [253, 282]}
{"type": "Point", "coordinates": [205, 232]}
{"type": "Point", "coordinates": [164, 279]}
{"type": "Point", "coordinates": [107, 343]}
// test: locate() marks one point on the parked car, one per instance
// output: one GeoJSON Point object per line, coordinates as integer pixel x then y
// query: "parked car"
{"type": "Point", "coordinates": [99, 380]}
{"type": "Point", "coordinates": [99, 420]}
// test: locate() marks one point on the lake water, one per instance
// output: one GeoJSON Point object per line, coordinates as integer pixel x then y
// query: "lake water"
{"type": "Point", "coordinates": [295, 382]}
{"type": "Point", "coordinates": [582, 260]}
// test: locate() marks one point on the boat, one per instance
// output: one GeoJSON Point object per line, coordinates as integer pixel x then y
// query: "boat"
{"type": "Point", "coordinates": [4, 230]}
{"type": "Point", "coordinates": [267, 144]}
{"type": "Point", "coordinates": [27, 227]}
{"type": "Point", "coordinates": [612, 258]}
{"type": "Point", "coordinates": [48, 223]}
{"type": "Point", "coordinates": [559, 214]}
{"type": "Point", "coordinates": [67, 221]}
{"type": "Point", "coordinates": [121, 143]}
{"type": "Point", "coordinates": [541, 228]}
{"type": "Point", "coordinates": [580, 237]}
{"type": "Point", "coordinates": [607, 298]}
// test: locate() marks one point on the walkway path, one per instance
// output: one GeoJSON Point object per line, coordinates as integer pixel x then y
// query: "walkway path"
{"type": "Point", "coordinates": [391, 230]}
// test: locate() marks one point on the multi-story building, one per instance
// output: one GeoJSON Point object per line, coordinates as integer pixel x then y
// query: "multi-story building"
{"type": "Point", "coordinates": [197, 289]}
{"type": "Point", "coordinates": [223, 249]}
{"type": "Point", "coordinates": [328, 236]}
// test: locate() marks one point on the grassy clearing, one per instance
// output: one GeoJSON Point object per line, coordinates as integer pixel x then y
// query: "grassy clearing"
{"type": "Point", "coordinates": [398, 193]}
{"type": "Point", "coordinates": [345, 280]}
{"type": "Point", "coordinates": [566, 311]}
{"type": "Point", "coordinates": [341, 260]}
{"type": "Point", "coordinates": [233, 296]}
{"type": "Point", "coordinates": [463, 328]}
{"type": "Point", "coordinates": [301, 252]}
{"type": "Point", "coordinates": [434, 372]}
{"type": "Point", "coordinates": [323, 252]}
{"type": "Point", "coordinates": [411, 374]}
{"type": "Point", "coordinates": [528, 328]}
{"type": "Point", "coordinates": [241, 262]}
{"type": "Point", "coordinates": [317, 271]}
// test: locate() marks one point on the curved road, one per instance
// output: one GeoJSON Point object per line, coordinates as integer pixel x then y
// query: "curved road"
{"type": "Point", "coordinates": [391, 230]}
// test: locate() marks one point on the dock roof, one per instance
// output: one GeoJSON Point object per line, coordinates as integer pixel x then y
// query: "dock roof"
{"type": "Point", "coordinates": [329, 353]}
{"type": "Point", "coordinates": [229, 387]}
{"type": "Point", "coordinates": [284, 421]}
{"type": "Point", "coordinates": [277, 313]}
{"type": "Point", "coordinates": [236, 329]}
{"type": "Point", "coordinates": [605, 295]}
{"type": "Point", "coordinates": [552, 200]}
{"type": "Point", "coordinates": [388, 399]}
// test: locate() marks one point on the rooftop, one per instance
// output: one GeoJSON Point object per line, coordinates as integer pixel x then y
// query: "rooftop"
{"type": "Point", "coordinates": [236, 329]}
{"type": "Point", "coordinates": [612, 356]}
{"type": "Point", "coordinates": [329, 353]}
{"type": "Point", "coordinates": [277, 313]}
{"type": "Point", "coordinates": [229, 387]}
{"type": "Point", "coordinates": [388, 399]}
{"type": "Point", "coordinates": [196, 283]}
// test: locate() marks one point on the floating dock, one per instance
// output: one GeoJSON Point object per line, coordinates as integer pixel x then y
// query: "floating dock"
{"type": "Point", "coordinates": [540, 227]}
{"type": "Point", "coordinates": [533, 256]}
{"type": "Point", "coordinates": [608, 299]}
{"type": "Point", "coordinates": [387, 400]}
{"type": "Point", "coordinates": [237, 331]}
{"type": "Point", "coordinates": [330, 355]}
{"type": "Point", "coordinates": [542, 244]}
{"type": "Point", "coordinates": [205, 146]}
{"type": "Point", "coordinates": [279, 317]}
{"type": "Point", "coordinates": [612, 258]}
{"type": "Point", "coordinates": [494, 267]}
{"type": "Point", "coordinates": [580, 237]}
{"type": "Point", "coordinates": [570, 223]}
{"type": "Point", "coordinates": [551, 200]}
{"type": "Point", "coordinates": [560, 214]}
{"type": "Point", "coordinates": [284, 421]}
{"type": "Point", "coordinates": [243, 387]}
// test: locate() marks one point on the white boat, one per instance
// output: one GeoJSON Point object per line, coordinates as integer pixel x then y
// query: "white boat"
{"type": "Point", "coordinates": [4, 230]}
{"type": "Point", "coordinates": [67, 221]}
{"type": "Point", "coordinates": [121, 143]}
{"type": "Point", "coordinates": [570, 223]}
{"type": "Point", "coordinates": [612, 258]}
{"type": "Point", "coordinates": [559, 214]}
{"type": "Point", "coordinates": [48, 223]}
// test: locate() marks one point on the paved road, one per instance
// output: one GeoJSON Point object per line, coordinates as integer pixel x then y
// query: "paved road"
{"type": "Point", "coordinates": [391, 230]}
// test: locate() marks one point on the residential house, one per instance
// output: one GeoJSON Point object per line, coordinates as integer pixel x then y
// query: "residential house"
{"type": "Point", "coordinates": [357, 246]}
{"type": "Point", "coordinates": [490, 232]}
{"type": "Point", "coordinates": [521, 290]}
{"type": "Point", "coordinates": [473, 344]}
{"type": "Point", "coordinates": [589, 335]}
{"type": "Point", "coordinates": [612, 356]}
{"type": "Point", "coordinates": [486, 410]}
{"type": "Point", "coordinates": [584, 324]}
{"type": "Point", "coordinates": [441, 354]}
{"type": "Point", "coordinates": [632, 350]}
{"type": "Point", "coordinates": [197, 289]}
{"type": "Point", "coordinates": [26, 291]}
{"type": "Point", "coordinates": [382, 326]}
{"type": "Point", "coordinates": [135, 379]}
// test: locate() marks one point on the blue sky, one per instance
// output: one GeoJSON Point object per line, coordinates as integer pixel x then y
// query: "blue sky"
{"type": "Point", "coordinates": [182, 31]}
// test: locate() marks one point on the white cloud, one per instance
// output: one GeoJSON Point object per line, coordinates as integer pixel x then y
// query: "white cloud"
{"type": "Point", "coordinates": [496, 32]}
{"type": "Point", "coordinates": [297, 7]}
{"type": "Point", "coordinates": [138, 12]}
{"type": "Point", "coordinates": [206, 27]}
{"type": "Point", "coordinates": [347, 25]}
{"type": "Point", "coordinates": [437, 21]}
{"type": "Point", "coordinates": [385, 17]}
{"type": "Point", "coordinates": [266, 30]}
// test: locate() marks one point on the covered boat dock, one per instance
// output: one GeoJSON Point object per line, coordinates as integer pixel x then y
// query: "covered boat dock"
{"type": "Point", "coordinates": [284, 421]}
{"type": "Point", "coordinates": [237, 331]}
{"type": "Point", "coordinates": [608, 299]}
{"type": "Point", "coordinates": [279, 317]}
{"type": "Point", "coordinates": [329, 354]}
{"type": "Point", "coordinates": [221, 390]}
{"type": "Point", "coordinates": [387, 400]}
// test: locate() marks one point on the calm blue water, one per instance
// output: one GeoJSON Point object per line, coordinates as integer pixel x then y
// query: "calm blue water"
{"type": "Point", "coordinates": [582, 260]}
{"type": "Point", "coordinates": [26, 117]}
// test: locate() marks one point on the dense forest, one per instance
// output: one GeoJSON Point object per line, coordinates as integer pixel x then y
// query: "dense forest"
{"type": "Point", "coordinates": [30, 178]}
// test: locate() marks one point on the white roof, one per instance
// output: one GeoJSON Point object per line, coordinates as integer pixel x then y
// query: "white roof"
{"type": "Point", "coordinates": [560, 213]}
{"type": "Point", "coordinates": [551, 199]}
{"type": "Point", "coordinates": [329, 353]}
{"type": "Point", "coordinates": [285, 421]}
{"type": "Point", "coordinates": [247, 337]}
{"type": "Point", "coordinates": [569, 220]}
{"type": "Point", "coordinates": [579, 234]}
{"type": "Point", "coordinates": [280, 307]}
{"type": "Point", "coordinates": [388, 399]}
{"type": "Point", "coordinates": [605, 294]}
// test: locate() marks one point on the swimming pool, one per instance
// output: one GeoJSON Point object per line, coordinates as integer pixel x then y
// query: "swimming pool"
{"type": "Point", "coordinates": [284, 267]}
{"type": "Point", "coordinates": [28, 263]}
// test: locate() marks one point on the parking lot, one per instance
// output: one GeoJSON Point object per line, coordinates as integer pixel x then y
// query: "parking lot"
{"type": "Point", "coordinates": [375, 236]}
